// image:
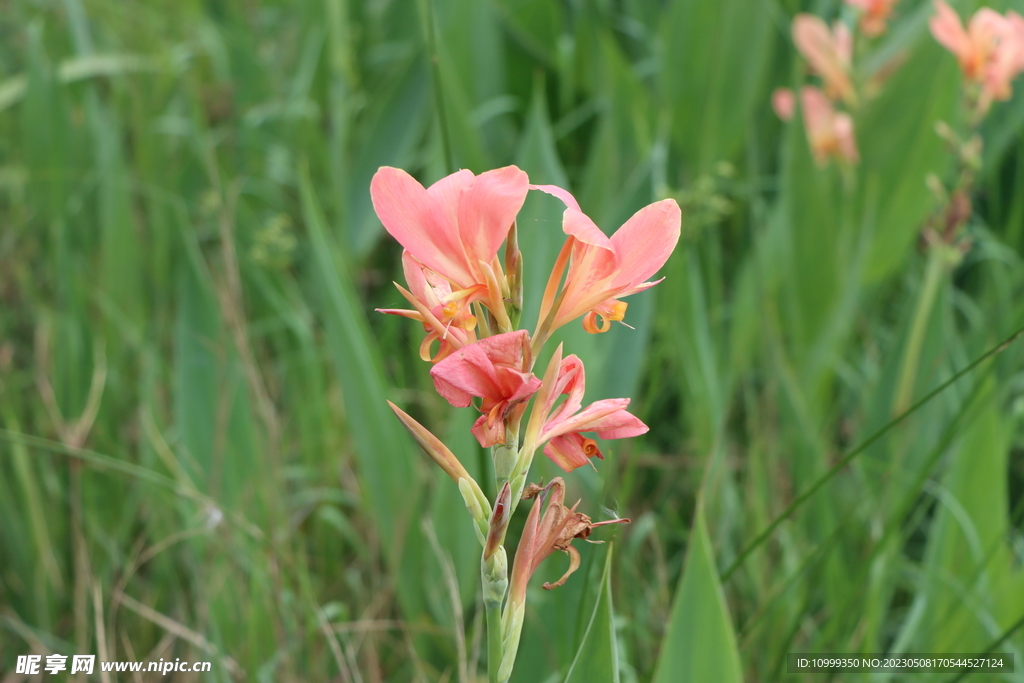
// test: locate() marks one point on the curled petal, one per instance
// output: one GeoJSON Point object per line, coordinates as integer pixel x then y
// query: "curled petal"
{"type": "Point", "coordinates": [572, 451]}
{"type": "Point", "coordinates": [574, 564]}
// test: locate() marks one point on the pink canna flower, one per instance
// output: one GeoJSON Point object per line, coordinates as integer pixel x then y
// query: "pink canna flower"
{"type": "Point", "coordinates": [874, 15]}
{"type": "Point", "coordinates": [602, 269]}
{"type": "Point", "coordinates": [455, 227]}
{"type": "Point", "coordinates": [443, 317]}
{"type": "Point", "coordinates": [827, 52]}
{"type": "Point", "coordinates": [990, 50]}
{"type": "Point", "coordinates": [829, 133]}
{"type": "Point", "coordinates": [561, 428]}
{"type": "Point", "coordinates": [491, 369]}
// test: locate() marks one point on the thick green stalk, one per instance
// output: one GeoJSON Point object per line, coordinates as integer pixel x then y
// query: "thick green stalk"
{"type": "Point", "coordinates": [937, 257]}
{"type": "Point", "coordinates": [494, 648]}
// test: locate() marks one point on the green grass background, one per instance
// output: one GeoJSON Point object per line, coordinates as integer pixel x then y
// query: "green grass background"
{"type": "Point", "coordinates": [196, 459]}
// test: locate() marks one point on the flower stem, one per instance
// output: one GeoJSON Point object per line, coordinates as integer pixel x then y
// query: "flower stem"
{"type": "Point", "coordinates": [494, 648]}
{"type": "Point", "coordinates": [912, 351]}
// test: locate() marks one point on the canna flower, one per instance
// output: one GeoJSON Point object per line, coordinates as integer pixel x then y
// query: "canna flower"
{"type": "Point", "coordinates": [454, 228]}
{"type": "Point", "coordinates": [602, 269]}
{"type": "Point", "coordinates": [561, 428]}
{"type": "Point", "coordinates": [827, 52]}
{"type": "Point", "coordinates": [829, 133]}
{"type": "Point", "coordinates": [990, 50]}
{"type": "Point", "coordinates": [443, 318]}
{"type": "Point", "coordinates": [491, 369]}
{"type": "Point", "coordinates": [874, 15]}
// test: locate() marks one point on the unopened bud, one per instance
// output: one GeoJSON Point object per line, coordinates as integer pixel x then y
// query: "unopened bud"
{"type": "Point", "coordinates": [498, 523]}
{"type": "Point", "coordinates": [494, 572]}
{"type": "Point", "coordinates": [514, 276]}
{"type": "Point", "coordinates": [944, 131]}
{"type": "Point", "coordinates": [505, 455]}
{"type": "Point", "coordinates": [477, 504]}
{"type": "Point", "coordinates": [971, 152]}
{"type": "Point", "coordinates": [431, 445]}
{"type": "Point", "coordinates": [937, 188]}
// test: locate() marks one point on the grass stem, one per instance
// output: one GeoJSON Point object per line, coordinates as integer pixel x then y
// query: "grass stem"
{"type": "Point", "coordinates": [912, 351]}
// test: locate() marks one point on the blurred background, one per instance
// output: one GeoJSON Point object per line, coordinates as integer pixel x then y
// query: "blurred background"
{"type": "Point", "coordinates": [196, 457]}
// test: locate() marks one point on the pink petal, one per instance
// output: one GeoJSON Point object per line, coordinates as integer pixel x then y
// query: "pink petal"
{"type": "Point", "coordinates": [488, 436]}
{"type": "Point", "coordinates": [466, 373]}
{"type": "Point", "coordinates": [487, 209]}
{"type": "Point", "coordinates": [423, 221]}
{"type": "Point", "coordinates": [948, 30]}
{"type": "Point", "coordinates": [784, 103]}
{"type": "Point", "coordinates": [824, 51]}
{"type": "Point", "coordinates": [506, 349]}
{"type": "Point", "coordinates": [580, 226]}
{"type": "Point", "coordinates": [572, 381]}
{"type": "Point", "coordinates": [621, 425]}
{"type": "Point", "coordinates": [585, 419]}
{"type": "Point", "coordinates": [558, 192]}
{"type": "Point", "coordinates": [404, 312]}
{"type": "Point", "coordinates": [843, 125]}
{"type": "Point", "coordinates": [645, 242]}
{"type": "Point", "coordinates": [424, 283]}
{"type": "Point", "coordinates": [987, 26]}
{"type": "Point", "coordinates": [843, 42]}
{"type": "Point", "coordinates": [567, 452]}
{"type": "Point", "coordinates": [489, 368]}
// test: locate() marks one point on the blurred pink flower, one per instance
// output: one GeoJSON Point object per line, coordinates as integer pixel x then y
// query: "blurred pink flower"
{"type": "Point", "coordinates": [455, 227]}
{"type": "Point", "coordinates": [491, 369]}
{"type": "Point", "coordinates": [990, 50]}
{"type": "Point", "coordinates": [829, 133]}
{"type": "Point", "coordinates": [1017, 27]}
{"type": "Point", "coordinates": [562, 427]}
{"type": "Point", "coordinates": [602, 269]}
{"type": "Point", "coordinates": [827, 52]}
{"type": "Point", "coordinates": [874, 15]}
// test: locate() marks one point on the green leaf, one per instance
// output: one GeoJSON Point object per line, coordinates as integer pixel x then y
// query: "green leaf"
{"type": "Point", "coordinates": [714, 53]}
{"type": "Point", "coordinates": [899, 148]}
{"type": "Point", "coordinates": [597, 657]}
{"type": "Point", "coordinates": [966, 597]}
{"type": "Point", "coordinates": [700, 644]}
{"type": "Point", "coordinates": [384, 456]}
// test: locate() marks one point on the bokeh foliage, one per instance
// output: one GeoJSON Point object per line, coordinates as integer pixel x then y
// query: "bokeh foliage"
{"type": "Point", "coordinates": [196, 459]}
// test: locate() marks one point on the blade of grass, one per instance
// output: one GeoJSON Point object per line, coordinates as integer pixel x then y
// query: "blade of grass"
{"type": "Point", "coordinates": [864, 445]}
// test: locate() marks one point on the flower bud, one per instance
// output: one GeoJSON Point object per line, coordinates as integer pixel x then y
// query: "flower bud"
{"type": "Point", "coordinates": [477, 504]}
{"type": "Point", "coordinates": [494, 571]}
{"type": "Point", "coordinates": [498, 522]}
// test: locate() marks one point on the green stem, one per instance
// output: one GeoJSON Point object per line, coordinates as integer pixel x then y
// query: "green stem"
{"type": "Point", "coordinates": [494, 648]}
{"type": "Point", "coordinates": [912, 351]}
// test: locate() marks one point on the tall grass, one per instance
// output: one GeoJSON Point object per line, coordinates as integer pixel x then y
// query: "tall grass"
{"type": "Point", "coordinates": [196, 459]}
